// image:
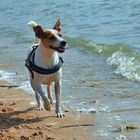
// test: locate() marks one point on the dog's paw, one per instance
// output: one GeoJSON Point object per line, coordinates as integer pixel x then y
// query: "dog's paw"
{"type": "Point", "coordinates": [39, 108]}
{"type": "Point", "coordinates": [47, 105]}
{"type": "Point", "coordinates": [59, 112]}
{"type": "Point", "coordinates": [60, 115]}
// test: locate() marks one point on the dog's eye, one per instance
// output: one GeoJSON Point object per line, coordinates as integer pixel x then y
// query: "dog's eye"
{"type": "Point", "coordinates": [52, 37]}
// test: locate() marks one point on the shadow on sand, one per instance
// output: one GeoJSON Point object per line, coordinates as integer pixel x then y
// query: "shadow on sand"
{"type": "Point", "coordinates": [15, 118]}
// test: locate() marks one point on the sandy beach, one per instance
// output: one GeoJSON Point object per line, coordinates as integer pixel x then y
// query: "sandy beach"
{"type": "Point", "coordinates": [20, 121]}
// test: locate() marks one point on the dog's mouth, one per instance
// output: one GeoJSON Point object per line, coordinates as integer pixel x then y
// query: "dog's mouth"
{"type": "Point", "coordinates": [60, 49]}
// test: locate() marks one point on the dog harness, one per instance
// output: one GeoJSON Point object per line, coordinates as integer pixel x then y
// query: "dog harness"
{"type": "Point", "coordinates": [29, 63]}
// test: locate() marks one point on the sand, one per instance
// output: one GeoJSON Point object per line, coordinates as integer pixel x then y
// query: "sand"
{"type": "Point", "coordinates": [19, 120]}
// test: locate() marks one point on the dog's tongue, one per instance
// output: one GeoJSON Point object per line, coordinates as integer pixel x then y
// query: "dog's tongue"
{"type": "Point", "coordinates": [61, 48]}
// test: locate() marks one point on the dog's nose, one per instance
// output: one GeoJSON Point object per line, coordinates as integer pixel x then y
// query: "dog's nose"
{"type": "Point", "coordinates": [63, 43]}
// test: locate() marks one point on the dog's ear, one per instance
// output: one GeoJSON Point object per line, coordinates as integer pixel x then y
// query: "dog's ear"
{"type": "Point", "coordinates": [57, 25]}
{"type": "Point", "coordinates": [38, 31]}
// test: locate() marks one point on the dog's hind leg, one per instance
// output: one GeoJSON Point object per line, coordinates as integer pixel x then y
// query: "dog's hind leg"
{"type": "Point", "coordinates": [49, 94]}
{"type": "Point", "coordinates": [39, 89]}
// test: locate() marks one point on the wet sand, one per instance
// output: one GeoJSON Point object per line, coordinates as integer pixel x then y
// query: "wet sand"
{"type": "Point", "coordinates": [19, 120]}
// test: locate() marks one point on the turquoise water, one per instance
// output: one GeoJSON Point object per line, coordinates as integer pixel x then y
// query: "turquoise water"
{"type": "Point", "coordinates": [101, 64]}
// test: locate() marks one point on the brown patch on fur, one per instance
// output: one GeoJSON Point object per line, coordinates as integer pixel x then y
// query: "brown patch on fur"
{"type": "Point", "coordinates": [43, 34]}
{"type": "Point", "coordinates": [38, 31]}
{"type": "Point", "coordinates": [49, 35]}
{"type": "Point", "coordinates": [57, 25]}
{"type": "Point", "coordinates": [48, 38]}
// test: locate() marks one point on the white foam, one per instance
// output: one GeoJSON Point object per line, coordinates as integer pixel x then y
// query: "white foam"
{"type": "Point", "coordinates": [7, 76]}
{"type": "Point", "coordinates": [26, 87]}
{"type": "Point", "coordinates": [11, 77]}
{"type": "Point", "coordinates": [125, 65]}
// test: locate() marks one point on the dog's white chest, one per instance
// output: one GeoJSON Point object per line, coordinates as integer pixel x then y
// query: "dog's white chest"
{"type": "Point", "coordinates": [47, 79]}
{"type": "Point", "coordinates": [47, 61]}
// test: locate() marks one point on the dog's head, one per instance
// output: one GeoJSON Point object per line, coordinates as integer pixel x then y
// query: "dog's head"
{"type": "Point", "coordinates": [51, 38]}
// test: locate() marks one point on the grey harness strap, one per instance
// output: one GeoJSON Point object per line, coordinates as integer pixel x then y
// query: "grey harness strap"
{"type": "Point", "coordinates": [29, 63]}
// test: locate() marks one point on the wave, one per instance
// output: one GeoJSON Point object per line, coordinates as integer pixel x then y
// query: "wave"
{"type": "Point", "coordinates": [11, 77]}
{"type": "Point", "coordinates": [124, 59]}
{"type": "Point", "coordinates": [102, 49]}
{"type": "Point", "coordinates": [7, 76]}
{"type": "Point", "coordinates": [125, 66]}
{"type": "Point", "coordinates": [26, 87]}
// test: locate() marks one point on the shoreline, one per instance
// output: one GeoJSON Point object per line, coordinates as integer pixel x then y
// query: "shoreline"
{"type": "Point", "coordinates": [20, 120]}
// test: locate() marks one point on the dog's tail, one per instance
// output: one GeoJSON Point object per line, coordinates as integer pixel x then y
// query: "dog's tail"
{"type": "Point", "coordinates": [32, 23]}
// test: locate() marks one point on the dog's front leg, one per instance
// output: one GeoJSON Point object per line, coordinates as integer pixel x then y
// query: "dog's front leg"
{"type": "Point", "coordinates": [38, 97]}
{"type": "Point", "coordinates": [39, 89]}
{"type": "Point", "coordinates": [58, 111]}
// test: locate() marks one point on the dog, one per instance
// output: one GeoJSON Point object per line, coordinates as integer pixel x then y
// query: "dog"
{"type": "Point", "coordinates": [46, 57]}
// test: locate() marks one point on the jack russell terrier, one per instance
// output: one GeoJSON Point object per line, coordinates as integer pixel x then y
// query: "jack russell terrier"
{"type": "Point", "coordinates": [44, 65]}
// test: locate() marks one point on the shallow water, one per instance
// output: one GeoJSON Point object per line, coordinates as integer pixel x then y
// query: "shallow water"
{"type": "Point", "coordinates": [101, 72]}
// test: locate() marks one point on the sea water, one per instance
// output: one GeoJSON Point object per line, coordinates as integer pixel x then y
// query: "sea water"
{"type": "Point", "coordinates": [101, 72]}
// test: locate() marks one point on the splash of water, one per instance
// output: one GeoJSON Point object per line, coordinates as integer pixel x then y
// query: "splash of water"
{"type": "Point", "coordinates": [125, 65]}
